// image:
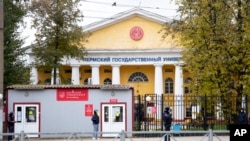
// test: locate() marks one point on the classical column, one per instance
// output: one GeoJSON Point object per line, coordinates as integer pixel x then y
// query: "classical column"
{"type": "Point", "coordinates": [75, 75]}
{"type": "Point", "coordinates": [34, 76]}
{"type": "Point", "coordinates": [116, 74]}
{"type": "Point", "coordinates": [158, 88]}
{"type": "Point", "coordinates": [95, 74]}
{"type": "Point", "coordinates": [178, 91]}
{"type": "Point", "coordinates": [58, 80]}
{"type": "Point", "coordinates": [158, 79]}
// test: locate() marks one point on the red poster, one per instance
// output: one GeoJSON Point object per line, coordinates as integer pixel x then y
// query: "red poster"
{"type": "Point", "coordinates": [72, 95]}
{"type": "Point", "coordinates": [154, 110]}
{"type": "Point", "coordinates": [88, 109]}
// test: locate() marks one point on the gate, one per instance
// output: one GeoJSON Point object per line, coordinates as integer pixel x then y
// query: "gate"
{"type": "Point", "coordinates": [191, 112]}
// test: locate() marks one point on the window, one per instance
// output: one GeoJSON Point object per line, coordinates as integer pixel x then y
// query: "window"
{"type": "Point", "coordinates": [138, 77]}
{"type": "Point", "coordinates": [107, 81]}
{"type": "Point", "coordinates": [30, 114]}
{"type": "Point", "coordinates": [47, 81]}
{"type": "Point", "coordinates": [169, 86]}
{"type": "Point", "coordinates": [186, 89]}
{"type": "Point", "coordinates": [188, 112]}
{"type": "Point", "coordinates": [87, 81]}
{"type": "Point", "coordinates": [117, 114]}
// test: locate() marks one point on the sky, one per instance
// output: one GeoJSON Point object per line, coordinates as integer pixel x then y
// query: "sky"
{"type": "Point", "coordinates": [97, 10]}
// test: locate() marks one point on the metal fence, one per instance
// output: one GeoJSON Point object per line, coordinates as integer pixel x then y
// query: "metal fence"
{"type": "Point", "coordinates": [209, 135]}
{"type": "Point", "coordinates": [191, 112]}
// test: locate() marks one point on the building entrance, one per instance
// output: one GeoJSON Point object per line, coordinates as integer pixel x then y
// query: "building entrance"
{"type": "Point", "coordinates": [27, 119]}
{"type": "Point", "coordinates": [113, 118]}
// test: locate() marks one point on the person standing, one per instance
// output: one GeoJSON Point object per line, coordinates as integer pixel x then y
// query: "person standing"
{"type": "Point", "coordinates": [11, 125]}
{"type": "Point", "coordinates": [117, 116]}
{"type": "Point", "coordinates": [95, 121]}
{"type": "Point", "coordinates": [242, 118]}
{"type": "Point", "coordinates": [167, 119]}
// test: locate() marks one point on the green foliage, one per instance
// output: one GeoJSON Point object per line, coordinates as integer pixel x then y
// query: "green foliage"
{"type": "Point", "coordinates": [58, 35]}
{"type": "Point", "coordinates": [215, 37]}
{"type": "Point", "coordinates": [15, 71]}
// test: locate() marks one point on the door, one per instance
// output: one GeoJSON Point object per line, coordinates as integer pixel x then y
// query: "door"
{"type": "Point", "coordinates": [113, 118]}
{"type": "Point", "coordinates": [27, 119]}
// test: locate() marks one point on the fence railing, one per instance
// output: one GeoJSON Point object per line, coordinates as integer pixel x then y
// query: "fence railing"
{"type": "Point", "coordinates": [192, 112]}
{"type": "Point", "coordinates": [208, 135]}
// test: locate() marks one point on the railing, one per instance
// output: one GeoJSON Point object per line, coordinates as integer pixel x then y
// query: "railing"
{"type": "Point", "coordinates": [192, 112]}
{"type": "Point", "coordinates": [210, 135]}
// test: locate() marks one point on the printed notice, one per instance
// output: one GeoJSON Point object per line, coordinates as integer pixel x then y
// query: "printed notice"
{"type": "Point", "coordinates": [88, 109]}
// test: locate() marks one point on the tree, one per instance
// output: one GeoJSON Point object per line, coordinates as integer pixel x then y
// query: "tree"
{"type": "Point", "coordinates": [58, 33]}
{"type": "Point", "coordinates": [15, 71]}
{"type": "Point", "coordinates": [215, 37]}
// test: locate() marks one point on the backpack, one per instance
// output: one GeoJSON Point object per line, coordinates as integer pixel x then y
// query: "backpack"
{"type": "Point", "coordinates": [95, 119]}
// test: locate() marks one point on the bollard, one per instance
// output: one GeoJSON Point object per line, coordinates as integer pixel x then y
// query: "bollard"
{"type": "Point", "coordinates": [122, 137]}
{"type": "Point", "coordinates": [210, 135]}
{"type": "Point", "coordinates": [21, 136]}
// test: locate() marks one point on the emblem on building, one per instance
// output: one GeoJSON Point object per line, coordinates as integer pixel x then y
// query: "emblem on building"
{"type": "Point", "coordinates": [136, 33]}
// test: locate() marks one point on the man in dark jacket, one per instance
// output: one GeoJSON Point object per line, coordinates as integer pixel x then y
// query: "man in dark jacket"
{"type": "Point", "coordinates": [11, 124]}
{"type": "Point", "coordinates": [95, 121]}
{"type": "Point", "coordinates": [167, 118]}
{"type": "Point", "coordinates": [242, 118]}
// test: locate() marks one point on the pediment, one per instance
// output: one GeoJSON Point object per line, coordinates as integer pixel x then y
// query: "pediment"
{"type": "Point", "coordinates": [120, 17]}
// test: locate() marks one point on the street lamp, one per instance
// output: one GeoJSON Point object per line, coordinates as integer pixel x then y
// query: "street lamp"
{"type": "Point", "coordinates": [148, 98]}
{"type": "Point", "coordinates": [146, 120]}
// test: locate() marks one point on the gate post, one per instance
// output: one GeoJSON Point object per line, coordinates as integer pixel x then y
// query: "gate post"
{"type": "Point", "coordinates": [210, 135]}
{"type": "Point", "coordinates": [21, 136]}
{"type": "Point", "coordinates": [122, 137]}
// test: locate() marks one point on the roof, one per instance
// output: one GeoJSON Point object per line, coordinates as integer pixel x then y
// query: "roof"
{"type": "Point", "coordinates": [106, 87]}
{"type": "Point", "coordinates": [126, 15]}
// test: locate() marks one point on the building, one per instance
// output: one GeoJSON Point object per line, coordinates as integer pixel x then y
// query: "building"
{"type": "Point", "coordinates": [49, 109]}
{"type": "Point", "coordinates": [126, 49]}
{"type": "Point", "coordinates": [129, 49]}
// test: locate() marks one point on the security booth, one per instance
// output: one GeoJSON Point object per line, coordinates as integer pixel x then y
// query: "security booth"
{"type": "Point", "coordinates": [69, 108]}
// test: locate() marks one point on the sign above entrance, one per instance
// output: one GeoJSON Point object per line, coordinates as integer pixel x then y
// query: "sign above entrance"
{"type": "Point", "coordinates": [113, 100]}
{"type": "Point", "coordinates": [136, 33]}
{"type": "Point", "coordinates": [72, 95]}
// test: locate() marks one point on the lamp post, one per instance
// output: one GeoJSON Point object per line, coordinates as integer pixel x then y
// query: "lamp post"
{"type": "Point", "coordinates": [147, 100]}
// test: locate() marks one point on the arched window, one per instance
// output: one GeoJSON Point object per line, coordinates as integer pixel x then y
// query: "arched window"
{"type": "Point", "coordinates": [107, 81]}
{"type": "Point", "coordinates": [169, 86]}
{"type": "Point", "coordinates": [47, 81]}
{"type": "Point", "coordinates": [138, 77]}
{"type": "Point", "coordinates": [186, 89]}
